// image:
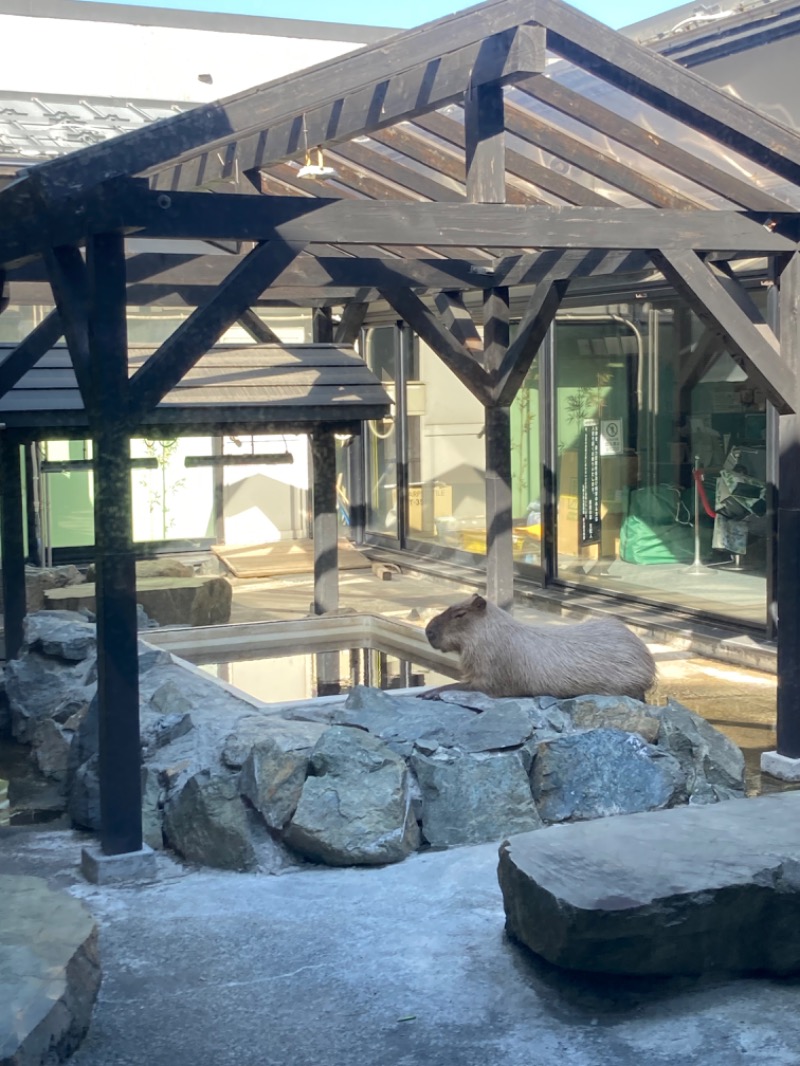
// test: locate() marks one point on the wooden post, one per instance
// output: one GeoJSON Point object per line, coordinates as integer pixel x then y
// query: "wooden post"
{"type": "Point", "coordinates": [117, 650]}
{"type": "Point", "coordinates": [326, 549]}
{"type": "Point", "coordinates": [484, 129]}
{"type": "Point", "coordinates": [13, 546]}
{"type": "Point", "coordinates": [788, 575]}
{"type": "Point", "coordinates": [499, 545]}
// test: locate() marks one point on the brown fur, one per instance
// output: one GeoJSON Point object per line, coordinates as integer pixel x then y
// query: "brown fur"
{"type": "Point", "coordinates": [503, 657]}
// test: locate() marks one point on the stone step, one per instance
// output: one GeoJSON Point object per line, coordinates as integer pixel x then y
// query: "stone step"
{"type": "Point", "coordinates": [49, 972]}
{"type": "Point", "coordinates": [679, 891]}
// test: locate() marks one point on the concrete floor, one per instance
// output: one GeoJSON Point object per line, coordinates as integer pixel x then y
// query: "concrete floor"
{"type": "Point", "coordinates": [407, 965]}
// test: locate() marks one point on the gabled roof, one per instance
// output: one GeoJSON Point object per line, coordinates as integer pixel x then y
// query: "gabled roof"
{"type": "Point", "coordinates": [253, 387]}
{"type": "Point", "coordinates": [591, 120]}
{"type": "Point", "coordinates": [516, 139]}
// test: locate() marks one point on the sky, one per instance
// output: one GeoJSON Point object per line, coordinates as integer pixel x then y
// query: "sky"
{"type": "Point", "coordinates": [614, 13]}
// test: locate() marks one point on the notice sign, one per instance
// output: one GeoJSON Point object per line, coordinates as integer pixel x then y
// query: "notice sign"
{"type": "Point", "coordinates": [611, 436]}
{"type": "Point", "coordinates": [589, 484]}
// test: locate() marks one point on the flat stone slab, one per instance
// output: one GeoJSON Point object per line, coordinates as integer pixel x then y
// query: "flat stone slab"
{"type": "Point", "coordinates": [49, 972]}
{"type": "Point", "coordinates": [195, 601]}
{"type": "Point", "coordinates": [680, 891]}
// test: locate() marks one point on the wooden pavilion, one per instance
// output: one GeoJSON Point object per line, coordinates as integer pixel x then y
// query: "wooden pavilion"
{"type": "Point", "coordinates": [448, 159]}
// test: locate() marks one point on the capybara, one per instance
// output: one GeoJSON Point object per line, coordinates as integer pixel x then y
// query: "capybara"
{"type": "Point", "coordinates": [503, 657]}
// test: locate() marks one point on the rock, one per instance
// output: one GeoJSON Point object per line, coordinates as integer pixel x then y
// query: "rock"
{"type": "Point", "coordinates": [496, 728]}
{"type": "Point", "coordinates": [274, 772]}
{"type": "Point", "coordinates": [51, 744]}
{"type": "Point", "coordinates": [400, 721]}
{"type": "Point", "coordinates": [162, 567]}
{"type": "Point", "coordinates": [206, 822]}
{"type": "Point", "coordinates": [712, 764]}
{"type": "Point", "coordinates": [194, 601]}
{"type": "Point", "coordinates": [169, 698]}
{"type": "Point", "coordinates": [612, 712]}
{"type": "Point", "coordinates": [239, 743]}
{"type": "Point", "coordinates": [681, 891]}
{"type": "Point", "coordinates": [83, 798]}
{"type": "Point", "coordinates": [152, 809]}
{"type": "Point", "coordinates": [48, 940]}
{"type": "Point", "coordinates": [63, 634]}
{"type": "Point", "coordinates": [471, 798]}
{"type": "Point", "coordinates": [164, 730]}
{"type": "Point", "coordinates": [38, 580]}
{"type": "Point", "coordinates": [356, 809]}
{"type": "Point", "coordinates": [602, 772]}
{"type": "Point", "coordinates": [37, 686]}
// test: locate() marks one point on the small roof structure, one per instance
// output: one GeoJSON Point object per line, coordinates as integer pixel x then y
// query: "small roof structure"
{"type": "Point", "coordinates": [255, 389]}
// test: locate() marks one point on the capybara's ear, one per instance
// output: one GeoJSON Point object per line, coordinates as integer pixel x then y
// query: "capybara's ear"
{"type": "Point", "coordinates": [479, 602]}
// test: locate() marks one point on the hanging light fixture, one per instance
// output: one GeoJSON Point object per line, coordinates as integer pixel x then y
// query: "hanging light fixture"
{"type": "Point", "coordinates": [314, 167]}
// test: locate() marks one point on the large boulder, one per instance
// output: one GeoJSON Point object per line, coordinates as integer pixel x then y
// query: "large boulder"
{"type": "Point", "coordinates": [713, 766]}
{"type": "Point", "coordinates": [38, 686]}
{"type": "Point", "coordinates": [473, 797]}
{"type": "Point", "coordinates": [194, 601]}
{"type": "Point", "coordinates": [602, 772]}
{"type": "Point", "coordinates": [613, 712]}
{"type": "Point", "coordinates": [274, 772]}
{"type": "Point", "coordinates": [49, 972]}
{"type": "Point", "coordinates": [680, 891]}
{"type": "Point", "coordinates": [205, 821]}
{"type": "Point", "coordinates": [356, 809]}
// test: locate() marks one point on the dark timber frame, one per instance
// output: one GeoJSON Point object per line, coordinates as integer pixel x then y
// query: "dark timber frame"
{"type": "Point", "coordinates": [426, 208]}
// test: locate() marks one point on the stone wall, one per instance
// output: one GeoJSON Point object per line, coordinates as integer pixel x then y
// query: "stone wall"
{"type": "Point", "coordinates": [358, 780]}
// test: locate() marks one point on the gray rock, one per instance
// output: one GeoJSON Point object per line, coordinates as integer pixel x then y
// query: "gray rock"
{"type": "Point", "coordinates": [612, 712]}
{"type": "Point", "coordinates": [195, 601]}
{"type": "Point", "coordinates": [602, 772]}
{"type": "Point", "coordinates": [38, 580]}
{"type": "Point", "coordinates": [496, 728]}
{"type": "Point", "coordinates": [60, 635]}
{"type": "Point", "coordinates": [680, 891]}
{"type": "Point", "coordinates": [152, 809]}
{"type": "Point", "coordinates": [239, 743]}
{"type": "Point", "coordinates": [146, 568]}
{"type": "Point", "coordinates": [51, 744]}
{"type": "Point", "coordinates": [150, 657]}
{"type": "Point", "coordinates": [356, 809]}
{"type": "Point", "coordinates": [159, 732]}
{"type": "Point", "coordinates": [83, 798]}
{"type": "Point", "coordinates": [205, 821]}
{"type": "Point", "coordinates": [712, 764]}
{"type": "Point", "coordinates": [169, 698]}
{"type": "Point", "coordinates": [37, 686]}
{"type": "Point", "coordinates": [143, 619]}
{"type": "Point", "coordinates": [400, 721]}
{"type": "Point", "coordinates": [274, 772]}
{"type": "Point", "coordinates": [469, 798]}
{"type": "Point", "coordinates": [49, 941]}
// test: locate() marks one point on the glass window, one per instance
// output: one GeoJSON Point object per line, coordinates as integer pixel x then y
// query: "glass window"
{"type": "Point", "coordinates": [661, 461]}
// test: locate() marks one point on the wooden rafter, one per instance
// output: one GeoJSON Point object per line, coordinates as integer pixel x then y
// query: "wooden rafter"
{"type": "Point", "coordinates": [735, 319]}
{"type": "Point", "coordinates": [201, 330]}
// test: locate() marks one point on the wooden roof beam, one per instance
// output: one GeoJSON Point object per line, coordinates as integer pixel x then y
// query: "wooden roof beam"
{"type": "Point", "coordinates": [202, 329]}
{"type": "Point", "coordinates": [734, 318]}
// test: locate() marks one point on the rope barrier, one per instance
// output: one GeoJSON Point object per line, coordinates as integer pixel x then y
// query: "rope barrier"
{"type": "Point", "coordinates": [701, 492]}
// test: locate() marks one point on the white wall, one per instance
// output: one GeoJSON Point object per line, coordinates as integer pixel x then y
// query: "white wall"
{"type": "Point", "coordinates": [57, 55]}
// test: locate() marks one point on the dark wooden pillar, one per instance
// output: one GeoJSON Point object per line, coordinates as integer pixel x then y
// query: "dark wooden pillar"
{"type": "Point", "coordinates": [117, 651]}
{"type": "Point", "coordinates": [499, 545]}
{"type": "Point", "coordinates": [484, 123]}
{"type": "Point", "coordinates": [499, 553]}
{"type": "Point", "coordinates": [788, 572]}
{"type": "Point", "coordinates": [13, 546]}
{"type": "Point", "coordinates": [326, 529]}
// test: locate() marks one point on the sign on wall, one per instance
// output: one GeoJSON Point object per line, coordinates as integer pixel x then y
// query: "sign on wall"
{"type": "Point", "coordinates": [611, 436]}
{"type": "Point", "coordinates": [589, 484]}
